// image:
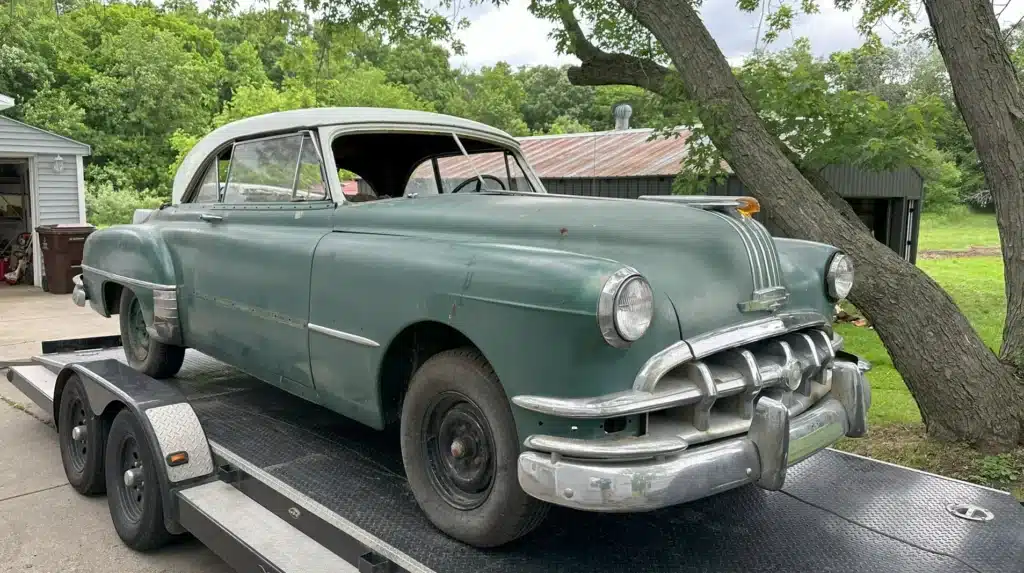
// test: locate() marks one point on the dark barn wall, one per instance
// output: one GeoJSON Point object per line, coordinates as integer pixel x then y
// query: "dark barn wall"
{"type": "Point", "coordinates": [887, 202]}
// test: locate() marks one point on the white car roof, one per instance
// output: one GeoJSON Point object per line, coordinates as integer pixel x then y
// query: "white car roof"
{"type": "Point", "coordinates": [321, 117]}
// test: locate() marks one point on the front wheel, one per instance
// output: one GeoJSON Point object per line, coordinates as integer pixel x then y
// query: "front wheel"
{"type": "Point", "coordinates": [145, 354]}
{"type": "Point", "coordinates": [460, 449]}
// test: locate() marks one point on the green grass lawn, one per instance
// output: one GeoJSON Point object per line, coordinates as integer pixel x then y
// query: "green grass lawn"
{"type": "Point", "coordinates": [957, 231]}
{"type": "Point", "coordinates": [897, 434]}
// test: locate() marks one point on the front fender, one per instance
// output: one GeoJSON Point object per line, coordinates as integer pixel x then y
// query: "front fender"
{"type": "Point", "coordinates": [531, 311]}
{"type": "Point", "coordinates": [804, 265]}
{"type": "Point", "coordinates": [135, 257]}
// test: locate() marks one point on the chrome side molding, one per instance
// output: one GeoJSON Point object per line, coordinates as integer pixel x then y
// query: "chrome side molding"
{"type": "Point", "coordinates": [346, 336]}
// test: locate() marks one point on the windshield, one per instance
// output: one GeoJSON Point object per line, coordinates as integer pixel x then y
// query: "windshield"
{"type": "Point", "coordinates": [469, 172]}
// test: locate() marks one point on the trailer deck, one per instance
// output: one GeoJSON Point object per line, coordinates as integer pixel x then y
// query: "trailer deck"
{"type": "Point", "coordinates": [342, 485]}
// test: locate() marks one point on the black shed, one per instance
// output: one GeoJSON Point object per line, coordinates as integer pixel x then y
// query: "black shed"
{"type": "Point", "coordinates": [626, 163]}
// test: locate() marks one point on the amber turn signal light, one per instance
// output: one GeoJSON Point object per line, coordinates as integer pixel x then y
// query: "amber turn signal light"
{"type": "Point", "coordinates": [748, 206]}
{"type": "Point", "coordinates": [177, 459]}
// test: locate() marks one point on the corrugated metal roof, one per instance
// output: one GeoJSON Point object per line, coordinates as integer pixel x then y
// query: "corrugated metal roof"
{"type": "Point", "coordinates": [624, 153]}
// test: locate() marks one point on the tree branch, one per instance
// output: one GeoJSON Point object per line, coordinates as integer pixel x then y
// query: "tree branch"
{"type": "Point", "coordinates": [600, 68]}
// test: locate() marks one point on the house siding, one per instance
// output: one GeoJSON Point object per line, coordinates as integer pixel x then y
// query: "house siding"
{"type": "Point", "coordinates": [57, 193]}
{"type": "Point", "coordinates": [18, 138]}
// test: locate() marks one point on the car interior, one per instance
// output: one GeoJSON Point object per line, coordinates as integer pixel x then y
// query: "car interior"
{"type": "Point", "coordinates": [390, 165]}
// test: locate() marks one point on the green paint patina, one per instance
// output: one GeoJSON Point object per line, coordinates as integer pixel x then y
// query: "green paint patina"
{"type": "Point", "coordinates": [519, 275]}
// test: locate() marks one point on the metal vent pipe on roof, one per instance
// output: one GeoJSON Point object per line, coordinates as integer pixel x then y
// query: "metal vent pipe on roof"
{"type": "Point", "coordinates": [621, 112]}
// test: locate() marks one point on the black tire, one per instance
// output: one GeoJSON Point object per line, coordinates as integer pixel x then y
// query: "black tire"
{"type": "Point", "coordinates": [82, 458]}
{"type": "Point", "coordinates": [137, 511]}
{"type": "Point", "coordinates": [144, 354]}
{"type": "Point", "coordinates": [457, 393]}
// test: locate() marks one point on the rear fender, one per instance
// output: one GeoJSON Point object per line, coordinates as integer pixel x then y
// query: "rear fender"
{"type": "Point", "coordinates": [134, 257]}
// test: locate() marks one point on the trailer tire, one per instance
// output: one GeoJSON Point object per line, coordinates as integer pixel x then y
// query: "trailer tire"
{"type": "Point", "coordinates": [82, 457]}
{"type": "Point", "coordinates": [136, 508]}
{"type": "Point", "coordinates": [460, 448]}
{"type": "Point", "coordinates": [145, 354]}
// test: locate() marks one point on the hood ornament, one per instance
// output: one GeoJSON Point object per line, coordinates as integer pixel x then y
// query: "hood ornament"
{"type": "Point", "coordinates": [768, 299]}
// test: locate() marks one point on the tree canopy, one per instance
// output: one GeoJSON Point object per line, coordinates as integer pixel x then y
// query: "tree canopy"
{"type": "Point", "coordinates": [142, 83]}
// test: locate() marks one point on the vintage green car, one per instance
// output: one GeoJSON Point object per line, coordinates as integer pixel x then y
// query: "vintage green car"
{"type": "Point", "coordinates": [408, 267]}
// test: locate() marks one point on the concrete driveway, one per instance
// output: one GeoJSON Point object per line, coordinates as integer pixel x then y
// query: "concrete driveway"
{"type": "Point", "coordinates": [28, 316]}
{"type": "Point", "coordinates": [45, 525]}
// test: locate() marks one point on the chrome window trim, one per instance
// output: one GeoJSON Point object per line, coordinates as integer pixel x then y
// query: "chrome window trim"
{"type": "Point", "coordinates": [340, 335]}
{"type": "Point", "coordinates": [128, 281]}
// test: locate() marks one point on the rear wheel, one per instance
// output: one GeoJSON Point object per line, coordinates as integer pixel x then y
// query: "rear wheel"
{"type": "Point", "coordinates": [460, 448]}
{"type": "Point", "coordinates": [133, 491]}
{"type": "Point", "coordinates": [145, 354]}
{"type": "Point", "coordinates": [81, 436]}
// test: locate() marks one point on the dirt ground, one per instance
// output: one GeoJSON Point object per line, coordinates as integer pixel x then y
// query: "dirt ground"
{"type": "Point", "coordinates": [29, 315]}
{"type": "Point", "coordinates": [971, 252]}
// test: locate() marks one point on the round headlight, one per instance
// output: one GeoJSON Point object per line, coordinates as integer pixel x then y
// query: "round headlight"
{"type": "Point", "coordinates": [839, 277]}
{"type": "Point", "coordinates": [626, 308]}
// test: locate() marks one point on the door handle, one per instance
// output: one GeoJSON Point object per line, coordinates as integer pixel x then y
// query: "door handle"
{"type": "Point", "coordinates": [210, 218]}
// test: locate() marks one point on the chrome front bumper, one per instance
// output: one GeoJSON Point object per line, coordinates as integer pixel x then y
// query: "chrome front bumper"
{"type": "Point", "coordinates": [774, 442]}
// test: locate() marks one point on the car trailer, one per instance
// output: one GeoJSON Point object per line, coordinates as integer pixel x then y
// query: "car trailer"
{"type": "Point", "coordinates": [272, 483]}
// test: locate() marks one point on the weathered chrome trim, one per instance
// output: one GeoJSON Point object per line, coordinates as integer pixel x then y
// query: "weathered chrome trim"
{"type": "Point", "coordinates": [692, 474]}
{"type": "Point", "coordinates": [830, 275]}
{"type": "Point", "coordinates": [611, 449]}
{"type": "Point", "coordinates": [765, 268]}
{"type": "Point", "coordinates": [78, 294]}
{"type": "Point", "coordinates": [642, 397]}
{"type": "Point", "coordinates": [769, 299]}
{"type": "Point", "coordinates": [853, 394]}
{"type": "Point", "coordinates": [721, 339]}
{"type": "Point", "coordinates": [606, 306]}
{"type": "Point", "coordinates": [697, 201]}
{"type": "Point", "coordinates": [769, 431]}
{"type": "Point", "coordinates": [127, 281]}
{"type": "Point", "coordinates": [166, 327]}
{"type": "Point", "coordinates": [354, 338]}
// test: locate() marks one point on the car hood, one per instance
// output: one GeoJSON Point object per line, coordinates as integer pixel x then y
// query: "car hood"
{"type": "Point", "coordinates": [698, 259]}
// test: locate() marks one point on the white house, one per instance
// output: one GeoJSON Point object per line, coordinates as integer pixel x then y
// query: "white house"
{"type": "Point", "coordinates": [41, 182]}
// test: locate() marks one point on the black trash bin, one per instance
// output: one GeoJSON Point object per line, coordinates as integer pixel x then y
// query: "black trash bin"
{"type": "Point", "coordinates": [62, 247]}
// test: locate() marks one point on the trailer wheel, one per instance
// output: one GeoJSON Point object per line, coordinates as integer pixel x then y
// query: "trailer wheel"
{"type": "Point", "coordinates": [81, 436]}
{"type": "Point", "coordinates": [460, 448]}
{"type": "Point", "coordinates": [144, 354]}
{"type": "Point", "coordinates": [133, 490]}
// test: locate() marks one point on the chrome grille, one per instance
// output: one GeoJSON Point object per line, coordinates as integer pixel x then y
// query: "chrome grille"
{"type": "Point", "coordinates": [714, 396]}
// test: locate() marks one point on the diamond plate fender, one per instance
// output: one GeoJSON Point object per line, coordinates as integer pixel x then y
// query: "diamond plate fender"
{"type": "Point", "coordinates": [177, 429]}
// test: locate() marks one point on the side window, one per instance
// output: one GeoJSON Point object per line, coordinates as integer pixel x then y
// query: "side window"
{"type": "Point", "coordinates": [519, 180]}
{"type": "Point", "coordinates": [310, 186]}
{"type": "Point", "coordinates": [422, 180]}
{"type": "Point", "coordinates": [209, 189]}
{"type": "Point", "coordinates": [263, 171]}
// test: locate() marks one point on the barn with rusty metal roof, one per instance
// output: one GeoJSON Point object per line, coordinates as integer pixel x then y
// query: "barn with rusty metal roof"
{"type": "Point", "coordinates": [628, 163]}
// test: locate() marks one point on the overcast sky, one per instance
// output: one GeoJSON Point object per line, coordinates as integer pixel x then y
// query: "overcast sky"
{"type": "Point", "coordinates": [511, 34]}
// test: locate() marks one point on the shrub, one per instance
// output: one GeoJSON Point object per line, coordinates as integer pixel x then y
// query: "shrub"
{"type": "Point", "coordinates": [104, 206]}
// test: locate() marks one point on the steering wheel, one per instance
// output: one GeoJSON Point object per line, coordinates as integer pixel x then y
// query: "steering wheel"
{"type": "Point", "coordinates": [472, 179]}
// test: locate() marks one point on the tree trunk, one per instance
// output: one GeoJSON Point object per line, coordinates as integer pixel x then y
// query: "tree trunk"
{"type": "Point", "coordinates": [989, 97]}
{"type": "Point", "coordinates": [964, 392]}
